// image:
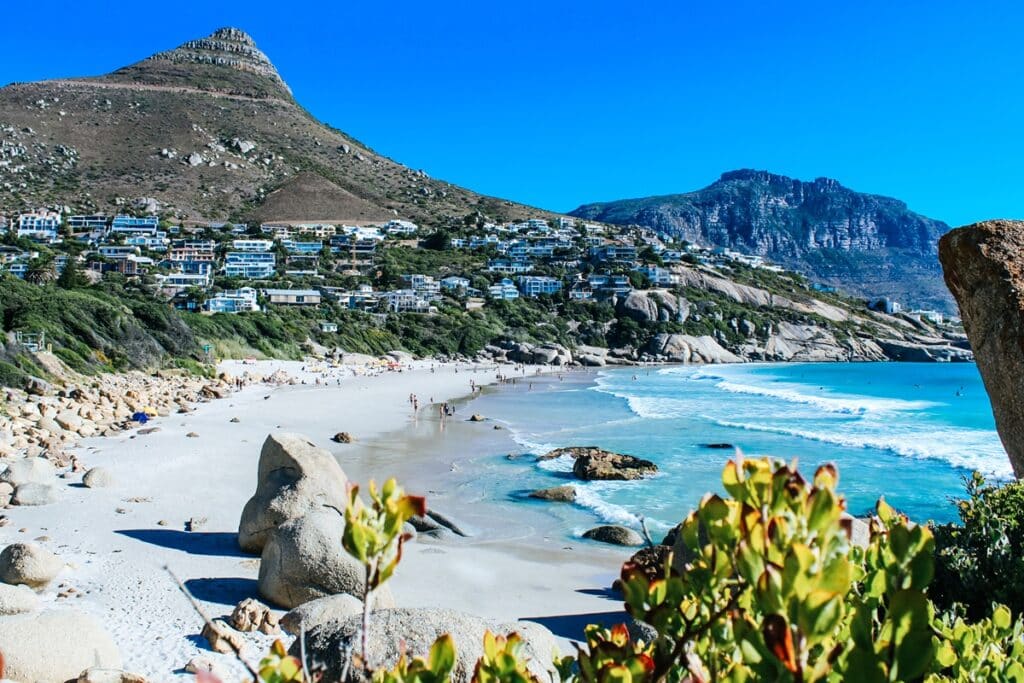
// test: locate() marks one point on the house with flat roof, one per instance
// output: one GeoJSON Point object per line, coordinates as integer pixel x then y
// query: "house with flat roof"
{"type": "Point", "coordinates": [505, 290]}
{"type": "Point", "coordinates": [39, 227]}
{"type": "Point", "coordinates": [536, 285]}
{"type": "Point", "coordinates": [233, 301]}
{"type": "Point", "coordinates": [293, 297]}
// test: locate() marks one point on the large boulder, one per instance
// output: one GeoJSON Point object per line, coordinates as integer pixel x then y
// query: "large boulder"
{"type": "Point", "coordinates": [29, 564]}
{"type": "Point", "coordinates": [984, 269]}
{"type": "Point", "coordinates": [315, 612]}
{"type": "Point", "coordinates": [303, 560]}
{"type": "Point", "coordinates": [605, 466]}
{"type": "Point", "coordinates": [332, 642]}
{"type": "Point", "coordinates": [98, 477]}
{"type": "Point", "coordinates": [684, 348]}
{"type": "Point", "coordinates": [17, 599]}
{"type": "Point", "coordinates": [294, 477]}
{"type": "Point", "coordinates": [55, 646]}
{"type": "Point", "coordinates": [35, 494]}
{"type": "Point", "coordinates": [29, 471]}
{"type": "Point", "coordinates": [638, 306]}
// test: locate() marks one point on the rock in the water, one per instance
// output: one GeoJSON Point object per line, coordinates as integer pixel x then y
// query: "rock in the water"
{"type": "Point", "coordinates": [28, 564]}
{"type": "Point", "coordinates": [295, 476]}
{"type": "Point", "coordinates": [55, 646]}
{"type": "Point", "coordinates": [417, 629]}
{"type": "Point", "coordinates": [17, 599]}
{"type": "Point", "coordinates": [984, 269]}
{"type": "Point", "coordinates": [35, 494]}
{"type": "Point", "coordinates": [477, 418]}
{"type": "Point", "coordinates": [342, 437]}
{"type": "Point", "coordinates": [316, 612]}
{"type": "Point", "coordinates": [251, 615]}
{"type": "Point", "coordinates": [304, 560]}
{"type": "Point", "coordinates": [614, 534]}
{"type": "Point", "coordinates": [611, 466]}
{"type": "Point", "coordinates": [561, 494]}
{"type": "Point", "coordinates": [98, 477]}
{"type": "Point", "coordinates": [29, 471]}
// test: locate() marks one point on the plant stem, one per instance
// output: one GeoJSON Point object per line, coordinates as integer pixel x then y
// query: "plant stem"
{"type": "Point", "coordinates": [366, 619]}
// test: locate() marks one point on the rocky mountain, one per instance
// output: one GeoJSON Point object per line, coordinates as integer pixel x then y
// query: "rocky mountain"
{"type": "Point", "coordinates": [867, 244]}
{"type": "Point", "coordinates": [208, 130]}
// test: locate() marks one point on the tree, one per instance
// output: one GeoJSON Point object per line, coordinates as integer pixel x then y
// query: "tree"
{"type": "Point", "coordinates": [41, 271]}
{"type": "Point", "coordinates": [439, 240]}
{"type": "Point", "coordinates": [71, 277]}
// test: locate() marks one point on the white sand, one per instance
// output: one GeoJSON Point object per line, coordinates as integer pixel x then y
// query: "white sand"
{"type": "Point", "coordinates": [116, 548]}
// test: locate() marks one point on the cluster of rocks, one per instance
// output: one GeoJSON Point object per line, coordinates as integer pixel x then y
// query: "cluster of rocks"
{"type": "Point", "coordinates": [294, 521]}
{"type": "Point", "coordinates": [591, 463]}
{"type": "Point", "coordinates": [53, 644]}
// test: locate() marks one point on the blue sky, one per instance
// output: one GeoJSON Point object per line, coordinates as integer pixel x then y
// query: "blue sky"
{"type": "Point", "coordinates": [560, 103]}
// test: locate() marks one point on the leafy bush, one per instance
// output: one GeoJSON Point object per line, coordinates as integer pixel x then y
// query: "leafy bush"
{"type": "Point", "coordinates": [981, 560]}
{"type": "Point", "coordinates": [768, 586]}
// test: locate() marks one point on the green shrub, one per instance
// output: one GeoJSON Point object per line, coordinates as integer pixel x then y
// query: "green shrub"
{"type": "Point", "coordinates": [981, 560]}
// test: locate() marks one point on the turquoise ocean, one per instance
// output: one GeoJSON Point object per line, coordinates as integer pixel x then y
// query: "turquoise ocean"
{"type": "Point", "coordinates": [907, 431]}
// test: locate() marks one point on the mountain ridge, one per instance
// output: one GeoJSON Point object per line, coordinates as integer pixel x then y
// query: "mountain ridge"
{"type": "Point", "coordinates": [210, 130]}
{"type": "Point", "coordinates": [870, 244]}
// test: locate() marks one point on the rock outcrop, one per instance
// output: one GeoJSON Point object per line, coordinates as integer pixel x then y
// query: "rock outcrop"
{"type": "Point", "coordinates": [984, 268]}
{"type": "Point", "coordinates": [417, 629]}
{"type": "Point", "coordinates": [607, 466]}
{"type": "Point", "coordinates": [294, 477]}
{"type": "Point", "coordinates": [684, 348]}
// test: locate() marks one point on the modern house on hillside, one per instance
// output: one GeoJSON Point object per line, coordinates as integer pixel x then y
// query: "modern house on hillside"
{"type": "Point", "coordinates": [233, 301]}
{"type": "Point", "coordinates": [293, 297]}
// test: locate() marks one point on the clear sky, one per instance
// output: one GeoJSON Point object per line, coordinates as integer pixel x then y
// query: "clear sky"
{"type": "Point", "coordinates": [560, 103]}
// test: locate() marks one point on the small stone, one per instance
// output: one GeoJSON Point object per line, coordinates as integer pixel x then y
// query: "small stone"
{"type": "Point", "coordinates": [235, 419]}
{"type": "Point", "coordinates": [163, 522]}
{"type": "Point", "coordinates": [342, 437]}
{"type": "Point", "coordinates": [221, 637]}
{"type": "Point", "coordinates": [192, 435]}
{"type": "Point", "coordinates": [251, 615]}
{"type": "Point", "coordinates": [477, 418]}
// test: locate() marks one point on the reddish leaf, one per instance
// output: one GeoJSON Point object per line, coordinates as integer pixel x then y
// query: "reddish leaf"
{"type": "Point", "coordinates": [779, 640]}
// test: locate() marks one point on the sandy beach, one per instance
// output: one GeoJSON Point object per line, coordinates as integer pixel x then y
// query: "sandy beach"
{"type": "Point", "coordinates": [118, 540]}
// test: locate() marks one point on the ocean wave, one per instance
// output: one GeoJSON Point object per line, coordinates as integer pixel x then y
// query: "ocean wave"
{"type": "Point", "coordinates": [964, 448]}
{"type": "Point", "coordinates": [589, 497]}
{"type": "Point", "coordinates": [850, 405]}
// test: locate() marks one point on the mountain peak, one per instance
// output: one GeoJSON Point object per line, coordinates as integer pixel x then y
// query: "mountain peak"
{"type": "Point", "coordinates": [226, 61]}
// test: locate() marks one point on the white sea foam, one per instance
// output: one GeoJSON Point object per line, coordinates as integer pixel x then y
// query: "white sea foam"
{"type": "Point", "coordinates": [850, 405]}
{"type": "Point", "coordinates": [589, 496]}
{"type": "Point", "coordinates": [965, 448]}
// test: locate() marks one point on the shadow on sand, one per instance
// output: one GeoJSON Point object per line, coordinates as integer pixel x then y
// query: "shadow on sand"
{"type": "Point", "coordinates": [571, 625]}
{"type": "Point", "coordinates": [220, 543]}
{"type": "Point", "coordinates": [229, 590]}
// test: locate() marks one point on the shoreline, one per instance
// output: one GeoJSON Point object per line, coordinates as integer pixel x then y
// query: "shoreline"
{"type": "Point", "coordinates": [117, 540]}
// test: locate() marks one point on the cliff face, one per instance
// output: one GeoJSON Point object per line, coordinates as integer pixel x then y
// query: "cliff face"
{"type": "Point", "coordinates": [984, 268]}
{"type": "Point", "coordinates": [869, 244]}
